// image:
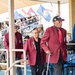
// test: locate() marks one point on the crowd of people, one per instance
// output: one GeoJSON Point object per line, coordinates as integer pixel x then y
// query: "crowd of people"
{"type": "Point", "coordinates": [42, 44]}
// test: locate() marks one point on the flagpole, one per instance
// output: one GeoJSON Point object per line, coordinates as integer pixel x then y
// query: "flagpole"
{"type": "Point", "coordinates": [59, 8]}
{"type": "Point", "coordinates": [40, 22]}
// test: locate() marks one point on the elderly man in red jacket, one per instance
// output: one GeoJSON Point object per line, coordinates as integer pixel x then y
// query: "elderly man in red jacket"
{"type": "Point", "coordinates": [18, 45]}
{"type": "Point", "coordinates": [35, 53]}
{"type": "Point", "coordinates": [55, 36]}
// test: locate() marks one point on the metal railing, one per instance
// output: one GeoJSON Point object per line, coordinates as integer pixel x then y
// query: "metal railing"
{"type": "Point", "coordinates": [15, 62]}
{"type": "Point", "coordinates": [14, 65]}
{"type": "Point", "coordinates": [70, 43]}
{"type": "Point", "coordinates": [6, 64]}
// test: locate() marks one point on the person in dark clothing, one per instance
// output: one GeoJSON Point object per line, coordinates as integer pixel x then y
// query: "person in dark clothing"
{"type": "Point", "coordinates": [35, 53]}
{"type": "Point", "coordinates": [18, 45]}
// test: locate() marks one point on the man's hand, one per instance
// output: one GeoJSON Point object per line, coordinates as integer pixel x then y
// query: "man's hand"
{"type": "Point", "coordinates": [48, 52]}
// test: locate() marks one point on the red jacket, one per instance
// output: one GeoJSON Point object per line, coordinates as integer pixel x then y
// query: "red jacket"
{"type": "Point", "coordinates": [54, 45]}
{"type": "Point", "coordinates": [18, 42]}
{"type": "Point", "coordinates": [30, 48]}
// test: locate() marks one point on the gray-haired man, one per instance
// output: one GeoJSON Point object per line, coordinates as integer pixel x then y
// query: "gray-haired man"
{"type": "Point", "coordinates": [40, 29]}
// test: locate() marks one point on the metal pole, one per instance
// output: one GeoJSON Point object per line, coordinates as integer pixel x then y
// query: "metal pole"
{"type": "Point", "coordinates": [59, 8]}
{"type": "Point", "coordinates": [11, 33]}
{"type": "Point", "coordinates": [25, 63]}
{"type": "Point", "coordinates": [7, 62]}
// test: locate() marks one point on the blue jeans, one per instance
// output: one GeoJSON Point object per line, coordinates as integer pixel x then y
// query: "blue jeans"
{"type": "Point", "coordinates": [18, 70]}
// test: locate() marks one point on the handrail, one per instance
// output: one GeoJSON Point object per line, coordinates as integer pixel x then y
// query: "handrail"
{"type": "Point", "coordinates": [3, 63]}
{"type": "Point", "coordinates": [13, 65]}
{"type": "Point", "coordinates": [3, 50]}
{"type": "Point", "coordinates": [17, 50]}
{"type": "Point", "coordinates": [22, 66]}
{"type": "Point", "coordinates": [70, 43]}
